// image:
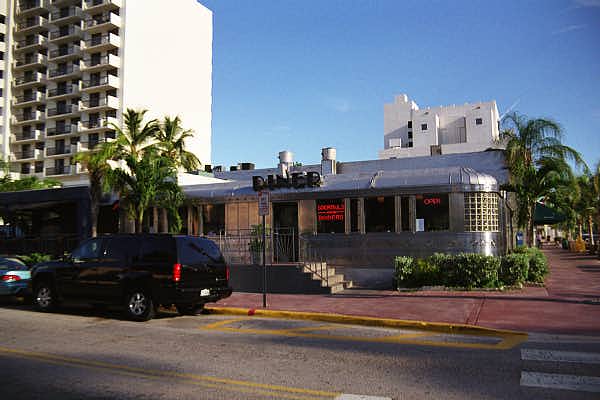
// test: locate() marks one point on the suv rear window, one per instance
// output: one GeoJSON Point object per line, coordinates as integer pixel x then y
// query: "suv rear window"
{"type": "Point", "coordinates": [193, 251]}
{"type": "Point", "coordinates": [157, 249]}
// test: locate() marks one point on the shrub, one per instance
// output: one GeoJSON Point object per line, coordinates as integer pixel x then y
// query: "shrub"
{"type": "Point", "coordinates": [475, 270]}
{"type": "Point", "coordinates": [410, 272]}
{"type": "Point", "coordinates": [403, 270]}
{"type": "Point", "coordinates": [514, 269]}
{"type": "Point", "coordinates": [35, 258]}
{"type": "Point", "coordinates": [538, 264]}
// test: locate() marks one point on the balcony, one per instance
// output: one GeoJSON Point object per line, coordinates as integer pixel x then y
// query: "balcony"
{"type": "Point", "coordinates": [35, 134]}
{"type": "Point", "coordinates": [105, 22]}
{"type": "Point", "coordinates": [63, 93]}
{"type": "Point", "coordinates": [30, 80]}
{"type": "Point", "coordinates": [105, 42]}
{"type": "Point", "coordinates": [29, 7]}
{"type": "Point", "coordinates": [99, 124]}
{"type": "Point", "coordinates": [30, 99]}
{"type": "Point", "coordinates": [37, 60]}
{"type": "Point", "coordinates": [106, 82]}
{"type": "Point", "coordinates": [34, 25]}
{"type": "Point", "coordinates": [101, 104]}
{"type": "Point", "coordinates": [28, 117]}
{"type": "Point", "coordinates": [66, 15]}
{"type": "Point", "coordinates": [95, 6]}
{"type": "Point", "coordinates": [25, 155]}
{"type": "Point", "coordinates": [108, 61]}
{"type": "Point", "coordinates": [61, 130]}
{"type": "Point", "coordinates": [62, 73]}
{"type": "Point", "coordinates": [33, 43]}
{"type": "Point", "coordinates": [63, 170]}
{"type": "Point", "coordinates": [65, 53]}
{"type": "Point", "coordinates": [65, 111]}
{"type": "Point", "coordinates": [60, 35]}
{"type": "Point", "coordinates": [58, 151]}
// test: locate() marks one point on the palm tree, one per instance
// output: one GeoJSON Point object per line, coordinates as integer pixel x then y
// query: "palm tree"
{"type": "Point", "coordinates": [97, 166]}
{"type": "Point", "coordinates": [135, 136]}
{"type": "Point", "coordinates": [537, 161]}
{"type": "Point", "coordinates": [172, 138]}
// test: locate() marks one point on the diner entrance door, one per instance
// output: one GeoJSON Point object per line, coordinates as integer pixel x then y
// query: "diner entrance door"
{"type": "Point", "coordinates": [285, 232]}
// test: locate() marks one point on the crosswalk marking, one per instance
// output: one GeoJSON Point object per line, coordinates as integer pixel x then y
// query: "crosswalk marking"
{"type": "Point", "coordinates": [560, 381]}
{"type": "Point", "coordinates": [560, 356]}
{"type": "Point", "coordinates": [346, 396]}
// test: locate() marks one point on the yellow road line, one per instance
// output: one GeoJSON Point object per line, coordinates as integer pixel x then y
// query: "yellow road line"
{"type": "Point", "coordinates": [506, 341]}
{"type": "Point", "coordinates": [202, 380]}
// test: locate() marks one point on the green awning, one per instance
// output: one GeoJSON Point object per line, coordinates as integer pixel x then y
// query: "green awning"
{"type": "Point", "coordinates": [546, 216]}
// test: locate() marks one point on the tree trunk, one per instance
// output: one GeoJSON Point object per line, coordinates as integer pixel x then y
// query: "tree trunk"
{"type": "Point", "coordinates": [591, 228]}
{"type": "Point", "coordinates": [530, 228]}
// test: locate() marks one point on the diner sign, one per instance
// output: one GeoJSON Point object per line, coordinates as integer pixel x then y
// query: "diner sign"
{"type": "Point", "coordinates": [298, 180]}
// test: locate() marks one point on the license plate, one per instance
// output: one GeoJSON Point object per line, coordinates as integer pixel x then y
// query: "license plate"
{"type": "Point", "coordinates": [205, 292]}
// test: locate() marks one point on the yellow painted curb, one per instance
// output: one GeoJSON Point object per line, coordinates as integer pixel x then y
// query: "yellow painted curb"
{"type": "Point", "coordinates": [369, 321]}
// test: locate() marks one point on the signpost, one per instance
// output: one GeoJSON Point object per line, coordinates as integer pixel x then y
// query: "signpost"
{"type": "Point", "coordinates": [264, 200]}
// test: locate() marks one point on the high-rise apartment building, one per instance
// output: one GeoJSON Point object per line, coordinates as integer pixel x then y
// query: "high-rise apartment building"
{"type": "Point", "coordinates": [412, 132]}
{"type": "Point", "coordinates": [71, 67]}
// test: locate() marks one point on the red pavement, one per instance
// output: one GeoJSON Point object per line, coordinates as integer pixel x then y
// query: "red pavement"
{"type": "Point", "coordinates": [569, 304]}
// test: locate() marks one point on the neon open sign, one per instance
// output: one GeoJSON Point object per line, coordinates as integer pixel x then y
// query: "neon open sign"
{"type": "Point", "coordinates": [433, 201]}
{"type": "Point", "coordinates": [331, 212]}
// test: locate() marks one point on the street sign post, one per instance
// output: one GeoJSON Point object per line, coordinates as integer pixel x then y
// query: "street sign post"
{"type": "Point", "coordinates": [264, 200]}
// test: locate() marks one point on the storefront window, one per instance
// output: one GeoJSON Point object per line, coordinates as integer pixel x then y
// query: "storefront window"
{"type": "Point", "coordinates": [432, 212]}
{"type": "Point", "coordinates": [331, 216]}
{"type": "Point", "coordinates": [481, 212]}
{"type": "Point", "coordinates": [405, 213]}
{"type": "Point", "coordinates": [213, 216]}
{"type": "Point", "coordinates": [379, 214]}
{"type": "Point", "coordinates": [354, 216]}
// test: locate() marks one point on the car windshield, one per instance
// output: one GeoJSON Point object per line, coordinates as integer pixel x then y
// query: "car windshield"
{"type": "Point", "coordinates": [12, 264]}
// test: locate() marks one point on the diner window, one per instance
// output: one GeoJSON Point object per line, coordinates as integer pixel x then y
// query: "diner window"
{"type": "Point", "coordinates": [432, 212]}
{"type": "Point", "coordinates": [379, 214]}
{"type": "Point", "coordinates": [331, 216]}
{"type": "Point", "coordinates": [405, 213]}
{"type": "Point", "coordinates": [213, 216]}
{"type": "Point", "coordinates": [481, 212]}
{"type": "Point", "coordinates": [354, 227]}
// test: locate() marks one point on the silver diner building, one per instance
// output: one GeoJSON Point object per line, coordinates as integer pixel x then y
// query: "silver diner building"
{"type": "Point", "coordinates": [359, 215]}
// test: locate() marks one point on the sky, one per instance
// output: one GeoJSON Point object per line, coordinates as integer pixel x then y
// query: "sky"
{"type": "Point", "coordinates": [303, 75]}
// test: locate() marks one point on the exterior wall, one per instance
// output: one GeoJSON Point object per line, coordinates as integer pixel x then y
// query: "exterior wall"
{"type": "Point", "coordinates": [4, 80]}
{"type": "Point", "coordinates": [168, 65]}
{"type": "Point", "coordinates": [453, 128]}
{"type": "Point", "coordinates": [242, 216]}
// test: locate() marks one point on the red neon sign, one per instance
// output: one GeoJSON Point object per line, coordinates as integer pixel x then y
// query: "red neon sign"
{"type": "Point", "coordinates": [331, 212]}
{"type": "Point", "coordinates": [434, 201]}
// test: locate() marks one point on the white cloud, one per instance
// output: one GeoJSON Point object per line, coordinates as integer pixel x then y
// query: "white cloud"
{"type": "Point", "coordinates": [587, 3]}
{"type": "Point", "coordinates": [569, 28]}
{"type": "Point", "coordinates": [338, 104]}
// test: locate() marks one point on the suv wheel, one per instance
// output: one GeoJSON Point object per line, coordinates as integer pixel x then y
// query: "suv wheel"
{"type": "Point", "coordinates": [139, 306]}
{"type": "Point", "coordinates": [187, 309]}
{"type": "Point", "coordinates": [44, 297]}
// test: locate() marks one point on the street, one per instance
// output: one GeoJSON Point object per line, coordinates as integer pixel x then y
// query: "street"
{"type": "Point", "coordinates": [85, 353]}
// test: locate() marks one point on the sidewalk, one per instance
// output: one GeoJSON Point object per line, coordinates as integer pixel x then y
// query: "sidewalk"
{"type": "Point", "coordinates": [570, 303]}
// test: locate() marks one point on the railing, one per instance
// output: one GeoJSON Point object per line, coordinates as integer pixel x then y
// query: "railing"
{"type": "Point", "coordinates": [36, 40]}
{"type": "Point", "coordinates": [36, 59]}
{"type": "Point", "coordinates": [22, 155]}
{"type": "Point", "coordinates": [63, 71]}
{"type": "Point", "coordinates": [65, 13]}
{"type": "Point", "coordinates": [89, 83]}
{"type": "Point", "coordinates": [24, 136]}
{"type": "Point", "coordinates": [61, 52]}
{"type": "Point", "coordinates": [59, 92]}
{"type": "Point", "coordinates": [93, 21]}
{"type": "Point", "coordinates": [62, 111]}
{"type": "Point", "coordinates": [96, 123]}
{"type": "Point", "coordinates": [56, 245]}
{"type": "Point", "coordinates": [21, 117]}
{"type": "Point", "coordinates": [312, 260]}
{"type": "Point", "coordinates": [98, 40]}
{"type": "Point", "coordinates": [35, 21]}
{"type": "Point", "coordinates": [21, 80]}
{"type": "Point", "coordinates": [29, 5]}
{"type": "Point", "coordinates": [60, 33]}
{"type": "Point", "coordinates": [55, 151]}
{"type": "Point", "coordinates": [36, 96]}
{"type": "Point", "coordinates": [100, 102]}
{"type": "Point", "coordinates": [52, 171]}
{"type": "Point", "coordinates": [59, 130]}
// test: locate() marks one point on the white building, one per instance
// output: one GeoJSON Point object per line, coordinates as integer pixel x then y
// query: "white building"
{"type": "Point", "coordinates": [72, 66]}
{"type": "Point", "coordinates": [411, 132]}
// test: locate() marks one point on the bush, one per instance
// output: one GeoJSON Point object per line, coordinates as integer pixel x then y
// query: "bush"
{"type": "Point", "coordinates": [410, 272]}
{"type": "Point", "coordinates": [475, 271]}
{"type": "Point", "coordinates": [35, 258]}
{"type": "Point", "coordinates": [514, 269]}
{"type": "Point", "coordinates": [538, 264]}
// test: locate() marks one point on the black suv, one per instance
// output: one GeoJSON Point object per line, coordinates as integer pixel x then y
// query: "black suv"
{"type": "Point", "coordinates": [139, 272]}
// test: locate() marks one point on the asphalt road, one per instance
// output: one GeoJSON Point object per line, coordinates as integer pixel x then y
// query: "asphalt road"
{"type": "Point", "coordinates": [82, 353]}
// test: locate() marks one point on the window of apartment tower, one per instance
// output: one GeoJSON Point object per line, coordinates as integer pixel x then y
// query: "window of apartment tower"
{"type": "Point", "coordinates": [379, 214]}
{"type": "Point", "coordinates": [213, 216]}
{"type": "Point", "coordinates": [423, 127]}
{"type": "Point", "coordinates": [432, 212]}
{"type": "Point", "coordinates": [409, 124]}
{"type": "Point", "coordinates": [478, 121]}
{"type": "Point", "coordinates": [331, 216]}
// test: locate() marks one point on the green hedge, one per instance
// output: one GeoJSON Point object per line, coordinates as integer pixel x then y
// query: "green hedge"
{"type": "Point", "coordinates": [470, 271]}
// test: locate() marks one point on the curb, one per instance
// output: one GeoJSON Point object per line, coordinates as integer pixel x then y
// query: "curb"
{"type": "Point", "coordinates": [440, 327]}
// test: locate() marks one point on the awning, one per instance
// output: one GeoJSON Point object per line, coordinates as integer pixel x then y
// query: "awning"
{"type": "Point", "coordinates": [546, 216]}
